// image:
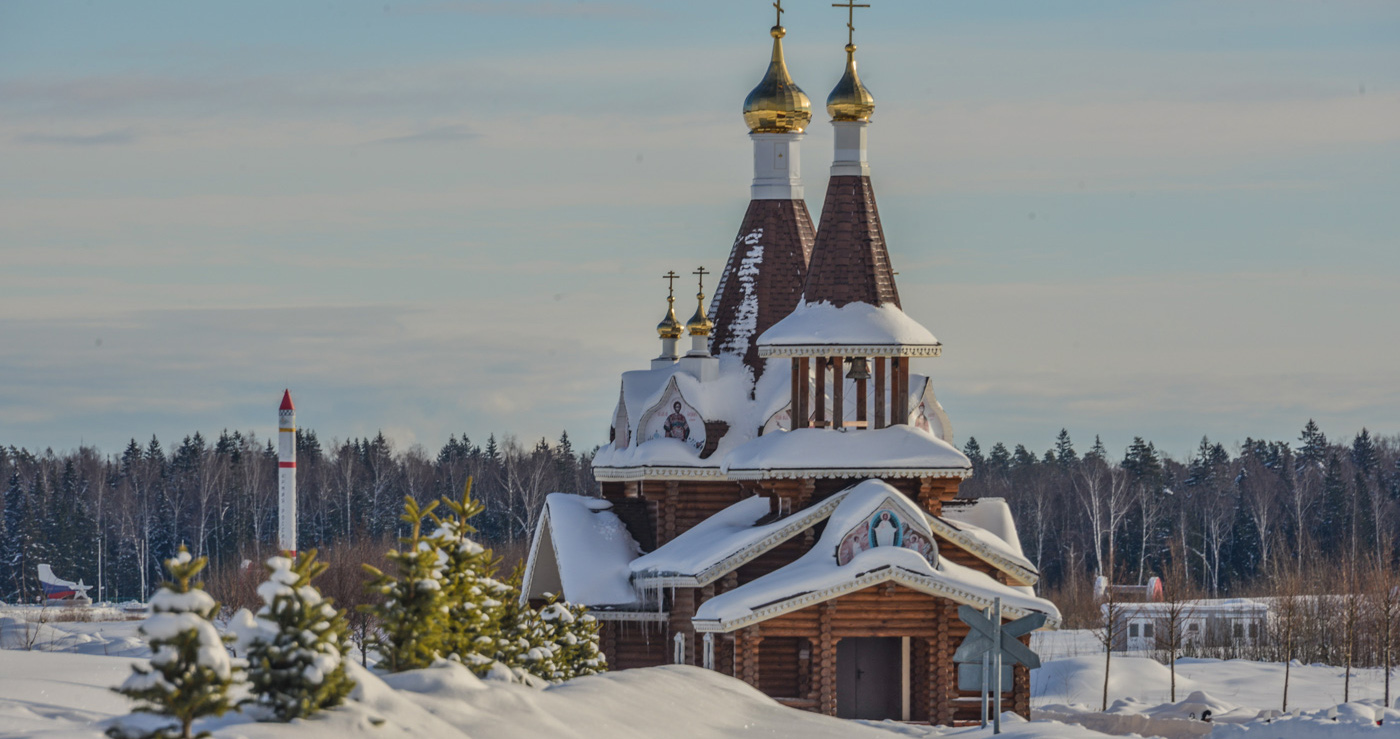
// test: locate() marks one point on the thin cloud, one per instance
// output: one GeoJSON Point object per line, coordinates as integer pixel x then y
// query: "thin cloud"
{"type": "Point", "coordinates": [442, 134]}
{"type": "Point", "coordinates": [518, 9]}
{"type": "Point", "coordinates": [106, 138]}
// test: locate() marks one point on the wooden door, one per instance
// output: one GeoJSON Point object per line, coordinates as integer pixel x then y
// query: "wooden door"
{"type": "Point", "coordinates": [868, 679]}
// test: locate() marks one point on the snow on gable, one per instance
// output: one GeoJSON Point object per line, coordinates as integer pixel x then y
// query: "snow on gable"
{"type": "Point", "coordinates": [812, 328]}
{"type": "Point", "coordinates": [928, 413]}
{"type": "Point", "coordinates": [584, 550]}
{"type": "Point", "coordinates": [621, 429]}
{"type": "Point", "coordinates": [894, 451]}
{"type": "Point", "coordinates": [724, 542]}
{"type": "Point", "coordinates": [987, 547]}
{"type": "Point", "coordinates": [816, 576]}
{"type": "Point", "coordinates": [673, 418]}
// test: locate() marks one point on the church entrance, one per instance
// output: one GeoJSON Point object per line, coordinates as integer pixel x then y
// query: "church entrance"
{"type": "Point", "coordinates": [869, 678]}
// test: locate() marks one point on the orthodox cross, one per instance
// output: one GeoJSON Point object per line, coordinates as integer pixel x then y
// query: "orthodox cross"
{"type": "Point", "coordinates": [670, 278]}
{"type": "Point", "coordinates": [702, 272]}
{"type": "Point", "coordinates": [850, 6]}
{"type": "Point", "coordinates": [779, 5]}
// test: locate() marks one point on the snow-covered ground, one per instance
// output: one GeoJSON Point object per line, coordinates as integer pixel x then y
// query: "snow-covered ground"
{"type": "Point", "coordinates": [60, 689]}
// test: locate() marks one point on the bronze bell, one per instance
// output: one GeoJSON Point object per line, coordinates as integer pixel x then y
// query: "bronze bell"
{"type": "Point", "coordinates": [860, 369]}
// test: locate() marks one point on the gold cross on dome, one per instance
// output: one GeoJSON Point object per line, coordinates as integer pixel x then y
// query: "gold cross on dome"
{"type": "Point", "coordinates": [670, 278]}
{"type": "Point", "coordinates": [850, 6]}
{"type": "Point", "coordinates": [779, 5]}
{"type": "Point", "coordinates": [702, 272]}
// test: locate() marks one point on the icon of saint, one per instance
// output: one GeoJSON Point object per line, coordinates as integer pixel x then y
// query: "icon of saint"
{"type": "Point", "coordinates": [676, 426]}
{"type": "Point", "coordinates": [885, 530]}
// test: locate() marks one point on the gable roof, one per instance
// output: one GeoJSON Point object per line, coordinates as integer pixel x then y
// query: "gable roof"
{"type": "Point", "coordinates": [581, 551]}
{"type": "Point", "coordinates": [893, 451]}
{"type": "Point", "coordinates": [816, 577]}
{"type": "Point", "coordinates": [725, 542]}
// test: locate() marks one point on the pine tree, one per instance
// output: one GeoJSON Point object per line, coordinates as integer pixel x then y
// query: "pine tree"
{"type": "Point", "coordinates": [296, 647]}
{"type": "Point", "coordinates": [190, 670]}
{"type": "Point", "coordinates": [412, 621]}
{"type": "Point", "coordinates": [522, 638]}
{"type": "Point", "coordinates": [999, 461]}
{"type": "Point", "coordinates": [1065, 455]}
{"type": "Point", "coordinates": [1363, 452]}
{"type": "Point", "coordinates": [1313, 447]}
{"type": "Point", "coordinates": [574, 636]}
{"type": "Point", "coordinates": [471, 594]}
{"type": "Point", "coordinates": [973, 450]}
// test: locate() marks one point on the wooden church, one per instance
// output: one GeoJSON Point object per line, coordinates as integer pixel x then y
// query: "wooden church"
{"type": "Point", "coordinates": [779, 499]}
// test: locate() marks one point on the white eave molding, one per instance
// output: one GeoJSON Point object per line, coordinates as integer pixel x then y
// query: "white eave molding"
{"type": "Point", "coordinates": [884, 573]}
{"type": "Point", "coordinates": [645, 472]}
{"type": "Point", "coordinates": [631, 616]}
{"type": "Point", "coordinates": [849, 350]}
{"type": "Point", "coordinates": [852, 472]}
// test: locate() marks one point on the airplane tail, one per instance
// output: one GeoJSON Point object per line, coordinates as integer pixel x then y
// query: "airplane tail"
{"type": "Point", "coordinates": [56, 588]}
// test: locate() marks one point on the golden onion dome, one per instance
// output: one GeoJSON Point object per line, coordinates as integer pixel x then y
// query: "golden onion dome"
{"type": "Point", "coordinates": [777, 105]}
{"type": "Point", "coordinates": [670, 327]}
{"type": "Point", "coordinates": [699, 324]}
{"type": "Point", "coordinates": [850, 100]}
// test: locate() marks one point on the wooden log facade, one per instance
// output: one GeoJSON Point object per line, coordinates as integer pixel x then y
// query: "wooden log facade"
{"type": "Point", "coordinates": [794, 657]}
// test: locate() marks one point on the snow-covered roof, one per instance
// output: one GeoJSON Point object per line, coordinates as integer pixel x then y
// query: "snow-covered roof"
{"type": "Point", "coordinates": [816, 577]}
{"type": "Point", "coordinates": [582, 550]}
{"type": "Point", "coordinates": [724, 542]}
{"type": "Point", "coordinates": [987, 547]}
{"type": "Point", "coordinates": [861, 329]}
{"type": "Point", "coordinates": [893, 451]}
{"type": "Point", "coordinates": [984, 527]}
{"type": "Point", "coordinates": [726, 399]}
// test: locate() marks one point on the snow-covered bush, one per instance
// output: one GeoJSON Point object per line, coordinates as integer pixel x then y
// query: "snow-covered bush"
{"type": "Point", "coordinates": [296, 646]}
{"type": "Point", "coordinates": [413, 613]}
{"type": "Point", "coordinates": [471, 593]}
{"type": "Point", "coordinates": [190, 670]}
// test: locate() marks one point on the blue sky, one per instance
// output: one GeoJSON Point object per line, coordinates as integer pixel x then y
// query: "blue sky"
{"type": "Point", "coordinates": [1159, 218]}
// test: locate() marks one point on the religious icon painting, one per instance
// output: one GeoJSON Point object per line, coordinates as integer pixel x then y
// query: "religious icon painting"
{"type": "Point", "coordinates": [885, 527]}
{"type": "Point", "coordinates": [673, 418]}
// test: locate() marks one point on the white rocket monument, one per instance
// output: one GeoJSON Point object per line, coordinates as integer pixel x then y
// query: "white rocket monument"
{"type": "Point", "coordinates": [287, 474]}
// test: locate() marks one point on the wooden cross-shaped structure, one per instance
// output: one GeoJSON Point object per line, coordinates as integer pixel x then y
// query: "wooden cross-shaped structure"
{"type": "Point", "coordinates": [850, 6]}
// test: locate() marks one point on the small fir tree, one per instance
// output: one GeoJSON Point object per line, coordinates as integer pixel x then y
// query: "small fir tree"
{"type": "Point", "coordinates": [190, 670]}
{"type": "Point", "coordinates": [574, 635]}
{"type": "Point", "coordinates": [522, 640]}
{"type": "Point", "coordinates": [412, 614]}
{"type": "Point", "coordinates": [472, 595]}
{"type": "Point", "coordinates": [296, 652]}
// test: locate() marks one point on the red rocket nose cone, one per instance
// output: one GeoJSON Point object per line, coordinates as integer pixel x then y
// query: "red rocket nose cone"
{"type": "Point", "coordinates": [287, 401]}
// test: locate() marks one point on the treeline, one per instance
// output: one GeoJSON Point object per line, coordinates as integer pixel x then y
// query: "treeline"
{"type": "Point", "coordinates": [1229, 517]}
{"type": "Point", "coordinates": [112, 520]}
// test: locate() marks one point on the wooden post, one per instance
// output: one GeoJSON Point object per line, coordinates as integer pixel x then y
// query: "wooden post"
{"type": "Point", "coordinates": [904, 390]}
{"type": "Point", "coordinates": [897, 398]}
{"type": "Point", "coordinates": [668, 518]}
{"type": "Point", "coordinates": [796, 404]}
{"type": "Point", "coordinates": [879, 392]}
{"type": "Point", "coordinates": [944, 672]}
{"type": "Point", "coordinates": [819, 393]}
{"type": "Point", "coordinates": [804, 381]}
{"type": "Point", "coordinates": [824, 662]}
{"type": "Point", "coordinates": [862, 389]}
{"type": "Point", "coordinates": [838, 394]}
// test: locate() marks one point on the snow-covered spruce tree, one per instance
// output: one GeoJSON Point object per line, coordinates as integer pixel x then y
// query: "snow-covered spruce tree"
{"type": "Point", "coordinates": [522, 641]}
{"type": "Point", "coordinates": [296, 653]}
{"type": "Point", "coordinates": [412, 617]}
{"type": "Point", "coordinates": [190, 670]}
{"type": "Point", "coordinates": [574, 635]}
{"type": "Point", "coordinates": [471, 594]}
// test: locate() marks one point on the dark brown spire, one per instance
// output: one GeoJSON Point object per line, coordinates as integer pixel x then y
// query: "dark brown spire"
{"type": "Point", "coordinates": [850, 263]}
{"type": "Point", "coordinates": [762, 281]}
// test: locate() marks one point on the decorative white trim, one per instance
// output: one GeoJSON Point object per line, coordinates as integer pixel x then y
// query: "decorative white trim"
{"type": "Point", "coordinates": [527, 580]}
{"type": "Point", "coordinates": [802, 521]}
{"type": "Point", "coordinates": [850, 350]}
{"type": "Point", "coordinates": [976, 548]}
{"type": "Point", "coordinates": [630, 615]}
{"type": "Point", "coordinates": [852, 472]}
{"type": "Point", "coordinates": [884, 573]}
{"type": "Point", "coordinates": [647, 472]}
